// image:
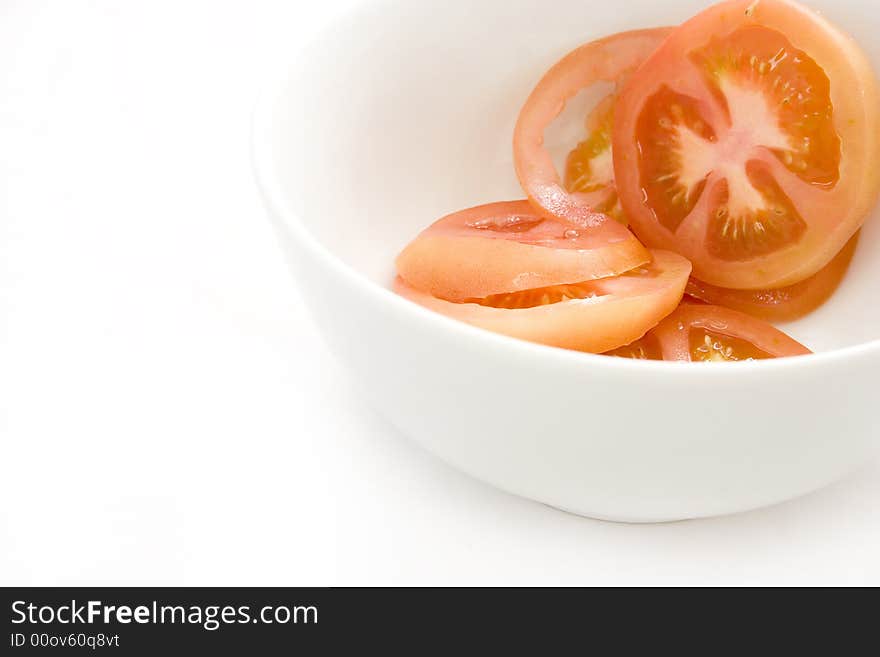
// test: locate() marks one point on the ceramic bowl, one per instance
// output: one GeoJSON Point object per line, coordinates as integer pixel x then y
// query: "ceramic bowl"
{"type": "Point", "coordinates": [401, 112]}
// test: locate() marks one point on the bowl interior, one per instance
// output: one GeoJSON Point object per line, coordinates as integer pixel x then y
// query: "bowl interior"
{"type": "Point", "coordinates": [404, 112]}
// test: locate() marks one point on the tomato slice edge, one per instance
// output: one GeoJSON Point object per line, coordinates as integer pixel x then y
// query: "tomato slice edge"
{"type": "Point", "coordinates": [620, 310]}
{"type": "Point", "coordinates": [784, 304]}
{"type": "Point", "coordinates": [675, 332]}
{"type": "Point", "coordinates": [506, 246]}
{"type": "Point", "coordinates": [603, 60]}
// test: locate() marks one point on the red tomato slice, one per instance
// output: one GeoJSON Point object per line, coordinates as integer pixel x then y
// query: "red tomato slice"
{"type": "Point", "coordinates": [593, 316]}
{"type": "Point", "coordinates": [606, 60]}
{"type": "Point", "coordinates": [589, 168]}
{"type": "Point", "coordinates": [699, 333]}
{"type": "Point", "coordinates": [783, 304]}
{"type": "Point", "coordinates": [749, 142]}
{"type": "Point", "coordinates": [507, 247]}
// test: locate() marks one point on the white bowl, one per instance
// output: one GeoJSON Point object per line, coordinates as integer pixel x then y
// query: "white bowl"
{"type": "Point", "coordinates": [404, 111]}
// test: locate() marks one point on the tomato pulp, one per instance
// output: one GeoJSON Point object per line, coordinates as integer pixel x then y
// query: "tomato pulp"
{"type": "Point", "coordinates": [592, 316]}
{"type": "Point", "coordinates": [701, 333]}
{"type": "Point", "coordinates": [610, 59]}
{"type": "Point", "coordinates": [507, 247]}
{"type": "Point", "coordinates": [749, 142]}
{"type": "Point", "coordinates": [782, 304]}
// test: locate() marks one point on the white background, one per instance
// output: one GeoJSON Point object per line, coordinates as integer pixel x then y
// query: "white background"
{"type": "Point", "coordinates": [169, 412]}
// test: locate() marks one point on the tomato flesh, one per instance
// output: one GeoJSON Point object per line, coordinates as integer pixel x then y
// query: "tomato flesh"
{"type": "Point", "coordinates": [606, 60]}
{"type": "Point", "coordinates": [707, 346]}
{"type": "Point", "coordinates": [589, 168]}
{"type": "Point", "coordinates": [783, 304]}
{"type": "Point", "coordinates": [750, 143]}
{"type": "Point", "coordinates": [706, 334]}
{"type": "Point", "coordinates": [592, 316]}
{"type": "Point", "coordinates": [645, 348]}
{"type": "Point", "coordinates": [541, 296]}
{"type": "Point", "coordinates": [507, 247]}
{"type": "Point", "coordinates": [774, 97]}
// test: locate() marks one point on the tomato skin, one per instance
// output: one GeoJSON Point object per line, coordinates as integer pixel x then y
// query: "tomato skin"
{"type": "Point", "coordinates": [607, 60]}
{"type": "Point", "coordinates": [625, 308]}
{"type": "Point", "coordinates": [784, 304]}
{"type": "Point", "coordinates": [674, 333]}
{"type": "Point", "coordinates": [468, 255]}
{"type": "Point", "coordinates": [831, 215]}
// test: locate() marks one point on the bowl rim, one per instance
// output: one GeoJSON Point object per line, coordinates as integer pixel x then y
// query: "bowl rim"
{"type": "Point", "coordinates": [264, 118]}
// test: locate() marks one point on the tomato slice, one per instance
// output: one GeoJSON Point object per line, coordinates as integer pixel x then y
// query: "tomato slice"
{"type": "Point", "coordinates": [606, 60]}
{"type": "Point", "coordinates": [508, 247]}
{"type": "Point", "coordinates": [749, 142]}
{"type": "Point", "coordinates": [589, 168]}
{"type": "Point", "coordinates": [700, 333]}
{"type": "Point", "coordinates": [592, 316]}
{"type": "Point", "coordinates": [590, 171]}
{"type": "Point", "coordinates": [783, 304]}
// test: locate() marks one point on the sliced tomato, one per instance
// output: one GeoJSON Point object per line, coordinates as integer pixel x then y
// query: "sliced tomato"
{"type": "Point", "coordinates": [749, 142]}
{"type": "Point", "coordinates": [592, 316]}
{"type": "Point", "coordinates": [589, 168]}
{"type": "Point", "coordinates": [701, 333]}
{"type": "Point", "coordinates": [783, 304]}
{"type": "Point", "coordinates": [607, 60]}
{"type": "Point", "coordinates": [508, 247]}
{"type": "Point", "coordinates": [645, 348]}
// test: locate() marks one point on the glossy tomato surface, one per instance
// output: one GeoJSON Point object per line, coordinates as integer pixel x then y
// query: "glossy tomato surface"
{"type": "Point", "coordinates": [610, 59]}
{"type": "Point", "coordinates": [701, 333]}
{"type": "Point", "coordinates": [508, 247]}
{"type": "Point", "coordinates": [589, 167]}
{"type": "Point", "coordinates": [784, 304]}
{"type": "Point", "coordinates": [749, 142]}
{"type": "Point", "coordinates": [592, 316]}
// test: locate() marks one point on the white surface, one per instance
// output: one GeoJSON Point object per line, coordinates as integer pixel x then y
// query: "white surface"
{"type": "Point", "coordinates": [170, 415]}
{"type": "Point", "coordinates": [554, 426]}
